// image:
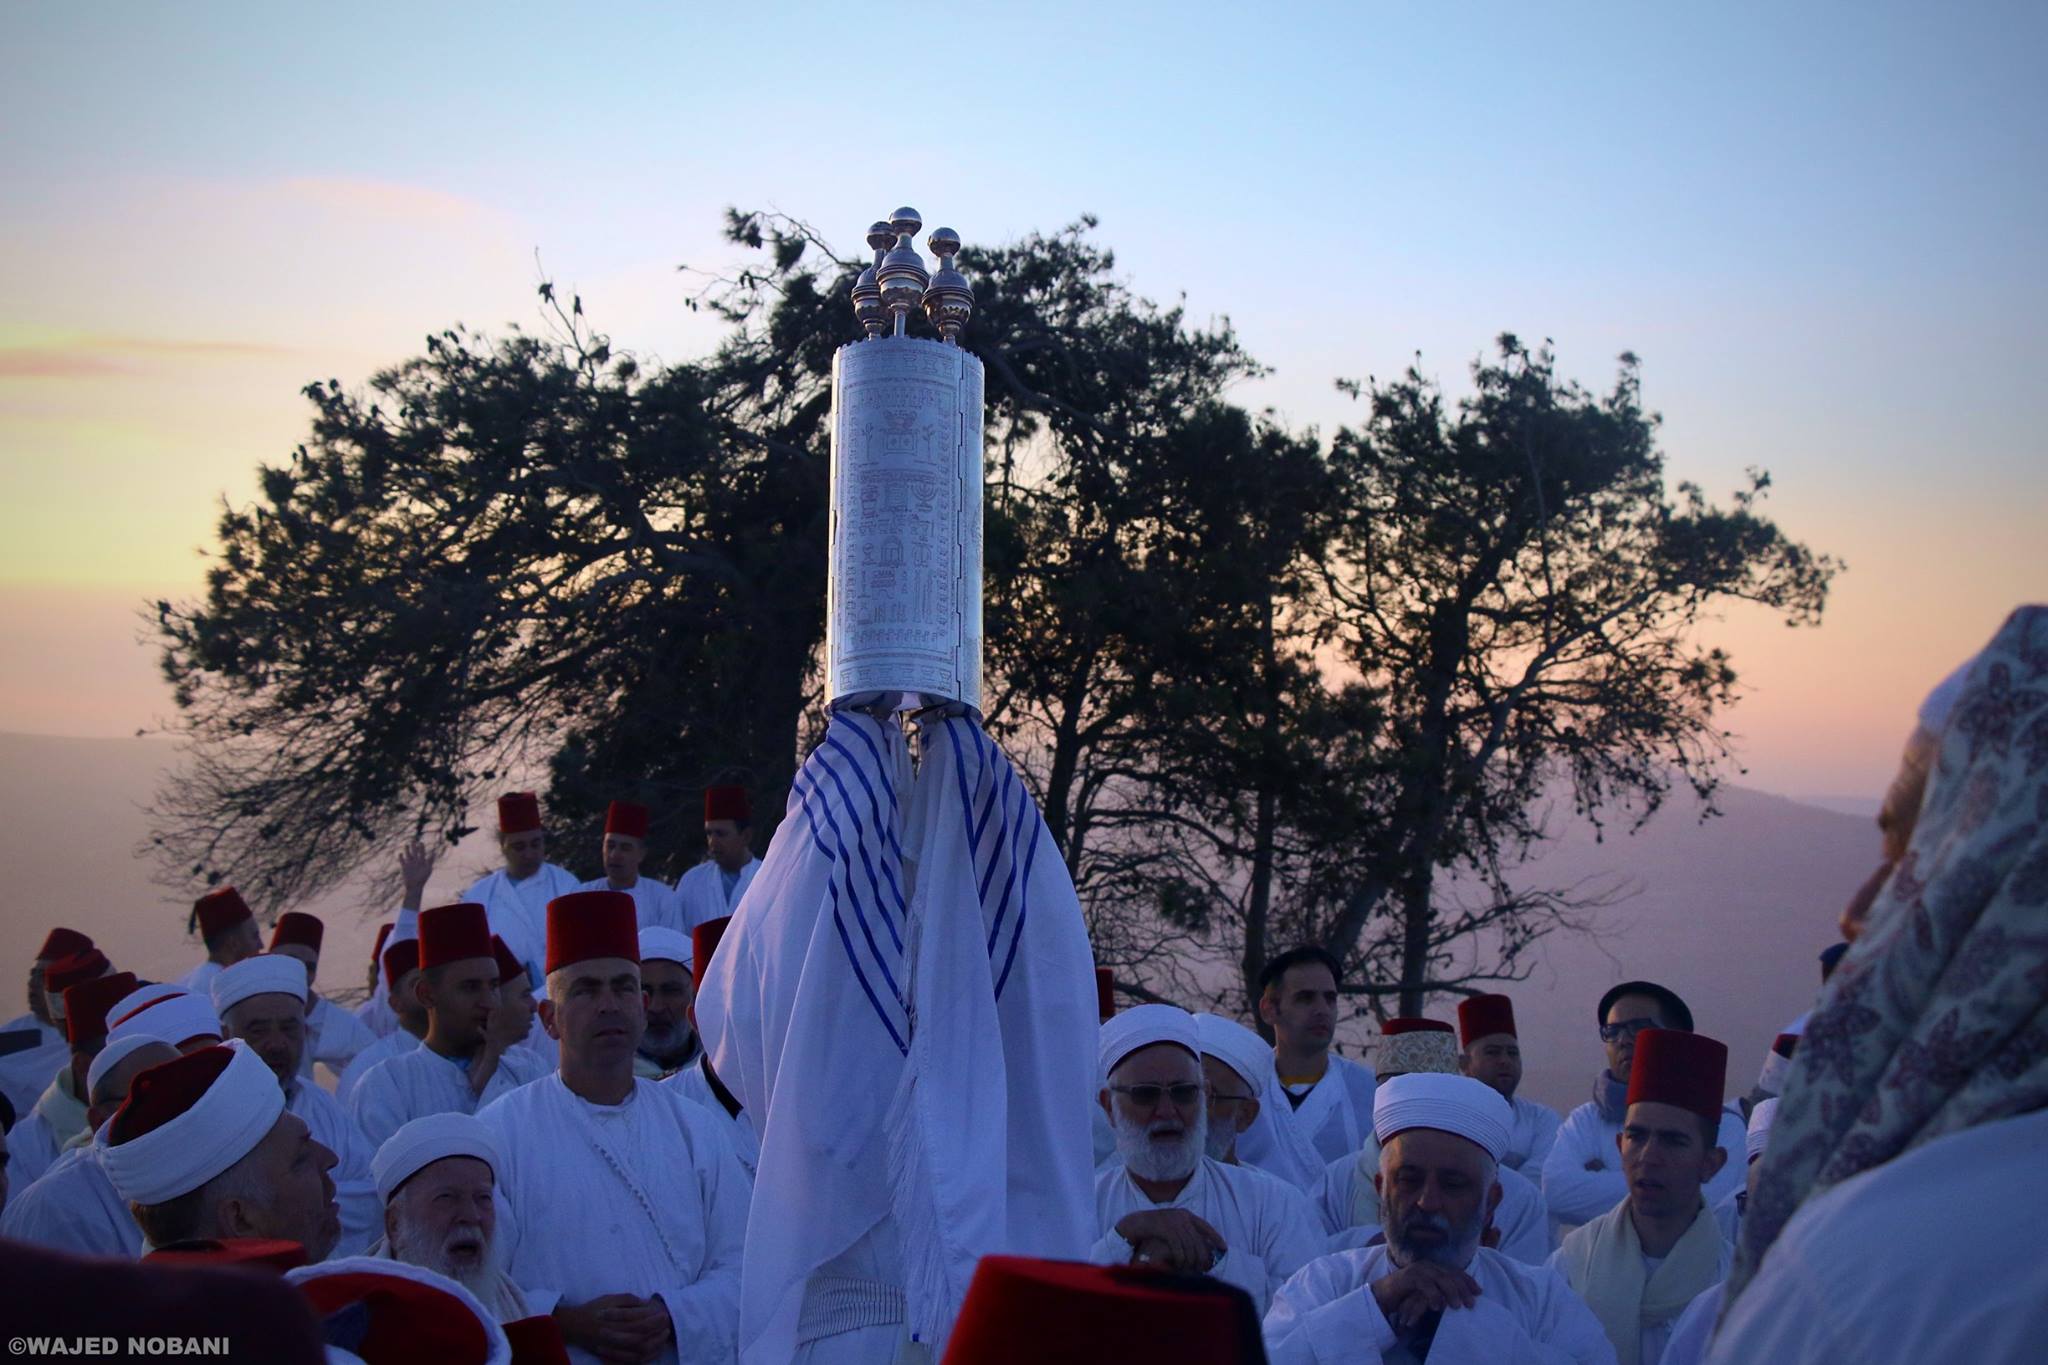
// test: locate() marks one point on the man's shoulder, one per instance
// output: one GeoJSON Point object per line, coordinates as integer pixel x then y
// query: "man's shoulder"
{"type": "Point", "coordinates": [510, 1113]}
{"type": "Point", "coordinates": [1586, 1115]}
{"type": "Point", "coordinates": [697, 875]}
{"type": "Point", "coordinates": [1538, 1111]}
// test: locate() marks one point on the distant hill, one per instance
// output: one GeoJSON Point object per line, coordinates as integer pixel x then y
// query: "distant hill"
{"type": "Point", "coordinates": [1729, 913]}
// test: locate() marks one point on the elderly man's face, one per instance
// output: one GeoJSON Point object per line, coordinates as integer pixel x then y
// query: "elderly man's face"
{"type": "Point", "coordinates": [1232, 1106]}
{"type": "Point", "coordinates": [443, 1218]}
{"type": "Point", "coordinates": [1158, 1110]}
{"type": "Point", "coordinates": [524, 853]}
{"type": "Point", "coordinates": [292, 1194]}
{"type": "Point", "coordinates": [1437, 1191]}
{"type": "Point", "coordinates": [667, 988]}
{"type": "Point", "coordinates": [113, 1087]}
{"type": "Point", "coordinates": [1666, 1157]}
{"type": "Point", "coordinates": [274, 1025]}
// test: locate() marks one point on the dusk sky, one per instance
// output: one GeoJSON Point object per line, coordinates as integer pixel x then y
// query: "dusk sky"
{"type": "Point", "coordinates": [1820, 226]}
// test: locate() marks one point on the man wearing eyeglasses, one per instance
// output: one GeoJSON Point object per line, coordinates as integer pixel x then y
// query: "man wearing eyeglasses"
{"type": "Point", "coordinates": [1582, 1177]}
{"type": "Point", "coordinates": [1167, 1204]}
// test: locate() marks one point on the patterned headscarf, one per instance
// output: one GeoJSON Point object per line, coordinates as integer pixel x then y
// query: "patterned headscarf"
{"type": "Point", "coordinates": [1937, 1019]}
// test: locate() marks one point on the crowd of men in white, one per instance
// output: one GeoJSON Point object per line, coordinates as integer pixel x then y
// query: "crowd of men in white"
{"type": "Point", "coordinates": [569, 1179]}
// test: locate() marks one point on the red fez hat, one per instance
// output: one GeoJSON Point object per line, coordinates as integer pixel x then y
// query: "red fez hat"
{"type": "Point", "coordinates": [536, 1341]}
{"type": "Point", "coordinates": [296, 929]}
{"type": "Point", "coordinates": [726, 803]}
{"type": "Point", "coordinates": [452, 933]}
{"type": "Point", "coordinates": [63, 943]}
{"type": "Point", "coordinates": [400, 958]}
{"type": "Point", "coordinates": [587, 924]}
{"type": "Point", "coordinates": [626, 817]}
{"type": "Point", "coordinates": [409, 1319]}
{"type": "Point", "coordinates": [704, 940]}
{"type": "Point", "coordinates": [219, 911]}
{"type": "Point", "coordinates": [509, 965]}
{"type": "Point", "coordinates": [1021, 1310]}
{"type": "Point", "coordinates": [1395, 1027]}
{"type": "Point", "coordinates": [86, 1005]}
{"type": "Point", "coordinates": [518, 812]}
{"type": "Point", "coordinates": [1105, 993]}
{"type": "Point", "coordinates": [383, 933]}
{"type": "Point", "coordinates": [167, 1090]}
{"type": "Point", "coordinates": [256, 1253]}
{"type": "Point", "coordinates": [1482, 1016]}
{"type": "Point", "coordinates": [66, 972]}
{"type": "Point", "coordinates": [1677, 1067]}
{"type": "Point", "coordinates": [1784, 1045]}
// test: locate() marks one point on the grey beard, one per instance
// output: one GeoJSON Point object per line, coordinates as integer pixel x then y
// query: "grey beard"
{"type": "Point", "coordinates": [1457, 1252]}
{"type": "Point", "coordinates": [1221, 1141]}
{"type": "Point", "coordinates": [677, 1048]}
{"type": "Point", "coordinates": [1149, 1160]}
{"type": "Point", "coordinates": [476, 1278]}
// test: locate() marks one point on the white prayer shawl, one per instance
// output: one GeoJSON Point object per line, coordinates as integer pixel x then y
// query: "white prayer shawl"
{"type": "Point", "coordinates": [1528, 1315]}
{"type": "Point", "coordinates": [333, 1036]}
{"type": "Point", "coordinates": [1576, 1195]}
{"type": "Point", "coordinates": [73, 1207]}
{"type": "Point", "coordinates": [651, 899]}
{"type": "Point", "coordinates": [1534, 1134]}
{"type": "Point", "coordinates": [518, 911]}
{"type": "Point", "coordinates": [1334, 1120]}
{"type": "Point", "coordinates": [641, 1198]}
{"type": "Point", "coordinates": [1266, 1223]}
{"type": "Point", "coordinates": [24, 1074]}
{"type": "Point", "coordinates": [393, 1044]}
{"type": "Point", "coordinates": [355, 1190]}
{"type": "Point", "coordinates": [700, 895]}
{"type": "Point", "coordinates": [807, 1013]}
{"type": "Point", "coordinates": [421, 1081]}
{"type": "Point", "coordinates": [1604, 1263]}
{"type": "Point", "coordinates": [1842, 1284]}
{"type": "Point", "coordinates": [692, 1084]}
{"type": "Point", "coordinates": [1348, 1206]}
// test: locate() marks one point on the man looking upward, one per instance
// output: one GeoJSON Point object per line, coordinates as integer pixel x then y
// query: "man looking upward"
{"type": "Point", "coordinates": [1316, 1106]}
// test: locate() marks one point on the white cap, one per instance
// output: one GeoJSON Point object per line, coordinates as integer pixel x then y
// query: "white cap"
{"type": "Point", "coordinates": [263, 974]}
{"type": "Point", "coordinates": [1142, 1026]}
{"type": "Point", "coordinates": [428, 1139]}
{"type": "Point", "coordinates": [1237, 1047]}
{"type": "Point", "coordinates": [173, 1019]}
{"type": "Point", "coordinates": [1760, 1120]}
{"type": "Point", "coordinates": [1471, 1109]}
{"type": "Point", "coordinates": [116, 1051]}
{"type": "Point", "coordinates": [140, 996]}
{"type": "Point", "coordinates": [665, 945]}
{"type": "Point", "coordinates": [219, 1128]}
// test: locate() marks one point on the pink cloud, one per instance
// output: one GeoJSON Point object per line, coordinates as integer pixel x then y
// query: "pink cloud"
{"type": "Point", "coordinates": [387, 199]}
{"type": "Point", "coordinates": [94, 357]}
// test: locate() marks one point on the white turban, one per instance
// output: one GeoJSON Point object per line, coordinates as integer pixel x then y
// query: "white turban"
{"type": "Point", "coordinates": [174, 1019]}
{"type": "Point", "coordinates": [1760, 1120]}
{"type": "Point", "coordinates": [216, 1130]}
{"type": "Point", "coordinates": [264, 974]}
{"type": "Point", "coordinates": [1471, 1109]}
{"type": "Point", "coordinates": [664, 944]}
{"type": "Point", "coordinates": [116, 1051]}
{"type": "Point", "coordinates": [140, 996]}
{"type": "Point", "coordinates": [413, 1299]}
{"type": "Point", "coordinates": [1142, 1026]}
{"type": "Point", "coordinates": [420, 1143]}
{"type": "Point", "coordinates": [1237, 1047]}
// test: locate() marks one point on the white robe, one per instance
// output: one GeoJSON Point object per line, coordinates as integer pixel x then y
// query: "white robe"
{"type": "Point", "coordinates": [375, 1014]}
{"type": "Point", "coordinates": [393, 1044]}
{"type": "Point", "coordinates": [1568, 1261]}
{"type": "Point", "coordinates": [1298, 1144]}
{"type": "Point", "coordinates": [518, 911]}
{"type": "Point", "coordinates": [333, 1036]}
{"type": "Point", "coordinates": [421, 1081]}
{"type": "Point", "coordinates": [1527, 1315]}
{"type": "Point", "coordinates": [74, 1207]}
{"type": "Point", "coordinates": [1523, 1223]}
{"type": "Point", "coordinates": [1535, 1133]}
{"type": "Point", "coordinates": [692, 1084]}
{"type": "Point", "coordinates": [653, 901]}
{"type": "Point", "coordinates": [1933, 1256]}
{"type": "Point", "coordinates": [700, 894]}
{"type": "Point", "coordinates": [25, 1074]}
{"type": "Point", "coordinates": [1577, 1196]}
{"type": "Point", "coordinates": [199, 980]}
{"type": "Point", "coordinates": [44, 1133]}
{"type": "Point", "coordinates": [644, 1197]}
{"type": "Point", "coordinates": [1265, 1222]}
{"type": "Point", "coordinates": [1694, 1330]}
{"type": "Point", "coordinates": [355, 1190]}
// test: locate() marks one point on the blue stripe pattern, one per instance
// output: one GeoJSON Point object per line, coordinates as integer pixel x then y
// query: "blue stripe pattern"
{"type": "Point", "coordinates": [1003, 828]}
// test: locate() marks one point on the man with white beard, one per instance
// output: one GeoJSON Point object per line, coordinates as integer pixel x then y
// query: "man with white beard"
{"type": "Point", "coordinates": [670, 1043]}
{"type": "Point", "coordinates": [1168, 1204]}
{"type": "Point", "coordinates": [437, 1177]}
{"type": "Point", "coordinates": [1432, 1291]}
{"type": "Point", "coordinates": [333, 1035]}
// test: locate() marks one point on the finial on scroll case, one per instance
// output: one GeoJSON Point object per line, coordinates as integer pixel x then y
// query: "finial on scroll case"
{"type": "Point", "coordinates": [867, 291]}
{"type": "Point", "coordinates": [948, 299]}
{"type": "Point", "coordinates": [902, 274]}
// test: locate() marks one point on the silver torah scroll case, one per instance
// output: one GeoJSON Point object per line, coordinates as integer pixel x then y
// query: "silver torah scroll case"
{"type": "Point", "coordinates": [903, 590]}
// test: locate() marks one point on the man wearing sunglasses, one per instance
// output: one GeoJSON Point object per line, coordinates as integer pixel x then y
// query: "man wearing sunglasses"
{"type": "Point", "coordinates": [1582, 1177]}
{"type": "Point", "coordinates": [1167, 1204]}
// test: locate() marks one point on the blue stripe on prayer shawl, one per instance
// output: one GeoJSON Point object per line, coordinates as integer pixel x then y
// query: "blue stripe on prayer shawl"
{"type": "Point", "coordinates": [1024, 896]}
{"type": "Point", "coordinates": [804, 791]}
{"type": "Point", "coordinates": [860, 840]}
{"type": "Point", "coordinates": [860, 728]}
{"type": "Point", "coordinates": [853, 892]}
{"type": "Point", "coordinates": [1004, 847]}
{"type": "Point", "coordinates": [884, 823]}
